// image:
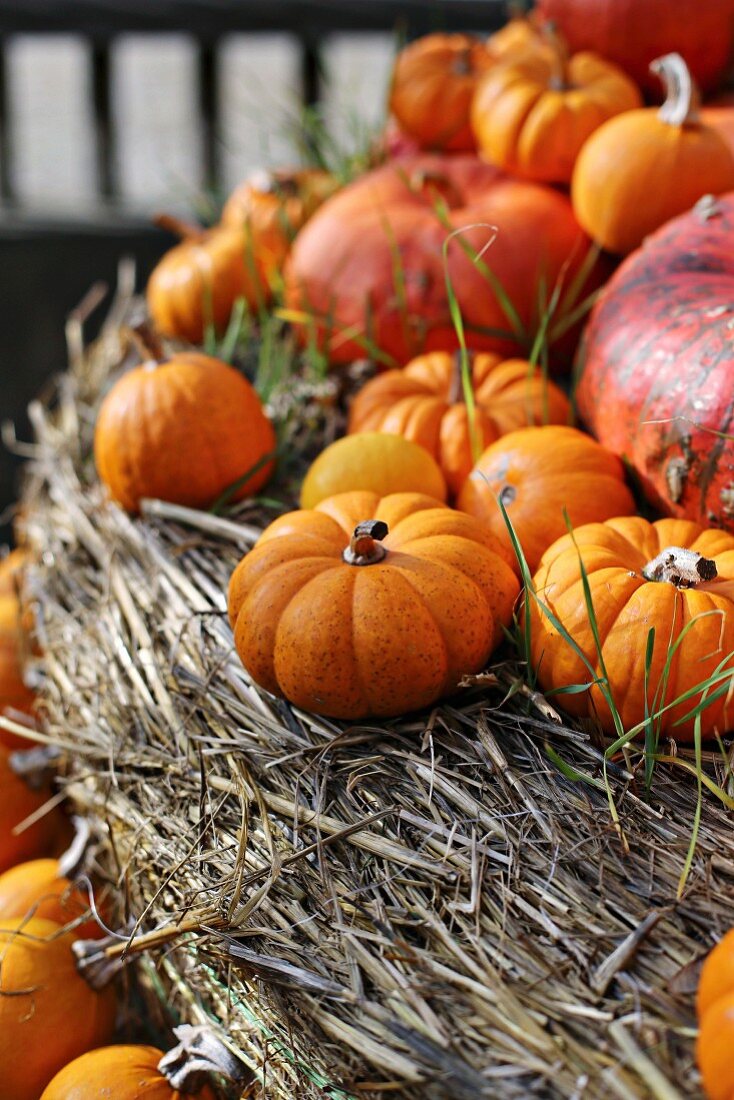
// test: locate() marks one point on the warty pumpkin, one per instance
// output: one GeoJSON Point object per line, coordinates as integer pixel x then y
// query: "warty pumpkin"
{"type": "Point", "coordinates": [532, 115]}
{"type": "Point", "coordinates": [538, 474]}
{"type": "Point", "coordinates": [182, 429]}
{"type": "Point", "coordinates": [641, 576]}
{"type": "Point", "coordinates": [644, 167]}
{"type": "Point", "coordinates": [131, 1072]}
{"type": "Point", "coordinates": [48, 1013]}
{"type": "Point", "coordinates": [715, 1009]}
{"type": "Point", "coordinates": [425, 402]}
{"type": "Point", "coordinates": [368, 607]}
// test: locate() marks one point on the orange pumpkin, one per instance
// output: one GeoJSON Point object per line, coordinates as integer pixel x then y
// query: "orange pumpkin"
{"type": "Point", "coordinates": [196, 283]}
{"type": "Point", "coordinates": [271, 206]}
{"type": "Point", "coordinates": [39, 888]}
{"type": "Point", "coordinates": [425, 402]}
{"type": "Point", "coordinates": [14, 694]}
{"type": "Point", "coordinates": [370, 607]}
{"type": "Point", "coordinates": [715, 1008]}
{"type": "Point", "coordinates": [719, 114]}
{"type": "Point", "coordinates": [11, 571]}
{"type": "Point", "coordinates": [532, 115]}
{"type": "Point", "coordinates": [645, 167]}
{"type": "Point", "coordinates": [182, 430]}
{"type": "Point", "coordinates": [125, 1072]}
{"type": "Point", "coordinates": [48, 1013]}
{"type": "Point", "coordinates": [538, 473]}
{"type": "Point", "coordinates": [17, 802]}
{"type": "Point", "coordinates": [641, 576]}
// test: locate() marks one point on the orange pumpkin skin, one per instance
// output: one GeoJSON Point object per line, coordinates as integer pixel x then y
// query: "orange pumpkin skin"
{"type": "Point", "coordinates": [425, 402]}
{"type": "Point", "coordinates": [13, 692]}
{"type": "Point", "coordinates": [714, 1046]}
{"type": "Point", "coordinates": [17, 802]}
{"type": "Point", "coordinates": [11, 571]}
{"type": "Point", "coordinates": [532, 116]}
{"type": "Point", "coordinates": [717, 974]}
{"type": "Point", "coordinates": [38, 887]}
{"type": "Point", "coordinates": [537, 473]}
{"type": "Point", "coordinates": [719, 114]}
{"type": "Point", "coordinates": [181, 431]}
{"type": "Point", "coordinates": [626, 606]}
{"type": "Point", "coordinates": [125, 1072]}
{"type": "Point", "coordinates": [383, 638]}
{"type": "Point", "coordinates": [47, 1012]}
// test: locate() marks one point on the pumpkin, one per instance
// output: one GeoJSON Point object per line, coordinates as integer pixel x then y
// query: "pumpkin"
{"type": "Point", "coordinates": [196, 283]}
{"type": "Point", "coordinates": [11, 571]}
{"type": "Point", "coordinates": [532, 115]}
{"type": "Point", "coordinates": [48, 1013]}
{"type": "Point", "coordinates": [40, 888]}
{"type": "Point", "coordinates": [657, 365]}
{"type": "Point", "coordinates": [375, 461]}
{"type": "Point", "coordinates": [715, 1008]}
{"type": "Point", "coordinates": [632, 33]}
{"type": "Point", "coordinates": [17, 802]}
{"type": "Point", "coordinates": [370, 607]}
{"type": "Point", "coordinates": [719, 114]}
{"type": "Point", "coordinates": [425, 402]}
{"type": "Point", "coordinates": [14, 695]}
{"type": "Point", "coordinates": [182, 429]}
{"type": "Point", "coordinates": [641, 169]}
{"type": "Point", "coordinates": [272, 205]}
{"type": "Point", "coordinates": [367, 271]}
{"type": "Point", "coordinates": [131, 1071]}
{"type": "Point", "coordinates": [539, 474]}
{"type": "Point", "coordinates": [671, 576]}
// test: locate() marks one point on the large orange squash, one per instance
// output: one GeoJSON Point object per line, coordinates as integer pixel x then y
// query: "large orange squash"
{"type": "Point", "coordinates": [715, 1008]}
{"type": "Point", "coordinates": [644, 167]}
{"type": "Point", "coordinates": [538, 474]}
{"type": "Point", "coordinates": [670, 576]}
{"type": "Point", "coordinates": [48, 1013]}
{"type": "Point", "coordinates": [183, 430]}
{"type": "Point", "coordinates": [532, 115]}
{"type": "Point", "coordinates": [425, 402]}
{"type": "Point", "coordinates": [40, 888]}
{"type": "Point", "coordinates": [370, 607]}
{"type": "Point", "coordinates": [367, 271]}
{"type": "Point", "coordinates": [17, 802]}
{"type": "Point", "coordinates": [123, 1072]}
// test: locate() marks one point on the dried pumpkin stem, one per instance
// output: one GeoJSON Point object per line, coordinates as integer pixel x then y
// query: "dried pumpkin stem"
{"type": "Point", "coordinates": [147, 342]}
{"type": "Point", "coordinates": [558, 81]}
{"type": "Point", "coordinates": [680, 567]}
{"type": "Point", "coordinates": [198, 1054]}
{"type": "Point", "coordinates": [682, 98]}
{"type": "Point", "coordinates": [187, 231]}
{"type": "Point", "coordinates": [363, 549]}
{"type": "Point", "coordinates": [70, 862]}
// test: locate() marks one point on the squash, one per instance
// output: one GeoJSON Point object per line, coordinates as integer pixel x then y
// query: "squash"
{"type": "Point", "coordinates": [182, 429]}
{"type": "Point", "coordinates": [674, 577]}
{"type": "Point", "coordinates": [48, 1013]}
{"type": "Point", "coordinates": [374, 461]}
{"type": "Point", "coordinates": [645, 167]}
{"type": "Point", "coordinates": [17, 802]}
{"type": "Point", "coordinates": [532, 115]}
{"type": "Point", "coordinates": [657, 365]}
{"type": "Point", "coordinates": [538, 474]}
{"type": "Point", "coordinates": [14, 694]}
{"type": "Point", "coordinates": [39, 887]}
{"type": "Point", "coordinates": [366, 274]}
{"type": "Point", "coordinates": [715, 1009]}
{"type": "Point", "coordinates": [368, 607]}
{"type": "Point", "coordinates": [425, 402]}
{"type": "Point", "coordinates": [719, 114]}
{"type": "Point", "coordinates": [11, 571]}
{"type": "Point", "coordinates": [130, 1071]}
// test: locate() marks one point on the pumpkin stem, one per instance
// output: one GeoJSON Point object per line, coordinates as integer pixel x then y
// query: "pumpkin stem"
{"type": "Point", "coordinates": [462, 65]}
{"type": "Point", "coordinates": [35, 766]}
{"type": "Point", "coordinates": [682, 98]}
{"type": "Point", "coordinates": [199, 1053]}
{"type": "Point", "coordinates": [558, 55]}
{"type": "Point", "coordinates": [70, 861]}
{"type": "Point", "coordinates": [147, 342]}
{"type": "Point", "coordinates": [681, 567]}
{"type": "Point", "coordinates": [95, 962]}
{"type": "Point", "coordinates": [434, 185]}
{"type": "Point", "coordinates": [187, 231]}
{"type": "Point", "coordinates": [363, 549]}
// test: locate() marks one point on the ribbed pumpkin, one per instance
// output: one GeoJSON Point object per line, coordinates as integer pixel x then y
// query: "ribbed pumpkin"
{"type": "Point", "coordinates": [657, 365]}
{"type": "Point", "coordinates": [645, 167]}
{"type": "Point", "coordinates": [40, 887]}
{"type": "Point", "coordinates": [538, 473]}
{"type": "Point", "coordinates": [719, 114]}
{"type": "Point", "coordinates": [182, 429]}
{"type": "Point", "coordinates": [13, 691]}
{"type": "Point", "coordinates": [48, 1013]}
{"type": "Point", "coordinates": [271, 206]}
{"type": "Point", "coordinates": [368, 607]}
{"type": "Point", "coordinates": [124, 1072]}
{"type": "Point", "coordinates": [367, 270]}
{"type": "Point", "coordinates": [17, 802]}
{"type": "Point", "coordinates": [715, 1008]}
{"type": "Point", "coordinates": [425, 402]}
{"type": "Point", "coordinates": [532, 115]}
{"type": "Point", "coordinates": [641, 576]}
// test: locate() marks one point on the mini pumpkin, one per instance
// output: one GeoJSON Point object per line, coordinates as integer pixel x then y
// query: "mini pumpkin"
{"type": "Point", "coordinates": [11, 571]}
{"type": "Point", "coordinates": [715, 1008]}
{"type": "Point", "coordinates": [41, 888]}
{"type": "Point", "coordinates": [645, 167]}
{"type": "Point", "coordinates": [271, 206]}
{"type": "Point", "coordinates": [132, 1072]}
{"type": "Point", "coordinates": [532, 115]}
{"type": "Point", "coordinates": [425, 402]}
{"type": "Point", "coordinates": [538, 473]}
{"type": "Point", "coordinates": [182, 429]}
{"type": "Point", "coordinates": [14, 694]}
{"type": "Point", "coordinates": [48, 1013]}
{"type": "Point", "coordinates": [672, 576]}
{"type": "Point", "coordinates": [370, 607]}
{"type": "Point", "coordinates": [17, 802]}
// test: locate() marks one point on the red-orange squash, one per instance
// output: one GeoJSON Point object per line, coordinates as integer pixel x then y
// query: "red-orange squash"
{"type": "Point", "coordinates": [124, 1072]}
{"type": "Point", "coordinates": [715, 1008]}
{"type": "Point", "coordinates": [17, 802]}
{"type": "Point", "coordinates": [182, 430]}
{"type": "Point", "coordinates": [48, 1013]}
{"type": "Point", "coordinates": [538, 474]}
{"type": "Point", "coordinates": [370, 607]}
{"type": "Point", "coordinates": [425, 402]}
{"type": "Point", "coordinates": [670, 577]}
{"type": "Point", "coordinates": [39, 888]}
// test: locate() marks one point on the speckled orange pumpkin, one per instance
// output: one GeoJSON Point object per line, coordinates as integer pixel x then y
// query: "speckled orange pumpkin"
{"type": "Point", "coordinates": [368, 606]}
{"type": "Point", "coordinates": [123, 1072]}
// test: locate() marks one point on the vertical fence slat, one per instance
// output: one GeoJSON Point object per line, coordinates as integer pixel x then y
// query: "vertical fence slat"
{"type": "Point", "coordinates": [208, 73]}
{"type": "Point", "coordinates": [311, 72]}
{"type": "Point", "coordinates": [103, 120]}
{"type": "Point", "coordinates": [7, 188]}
